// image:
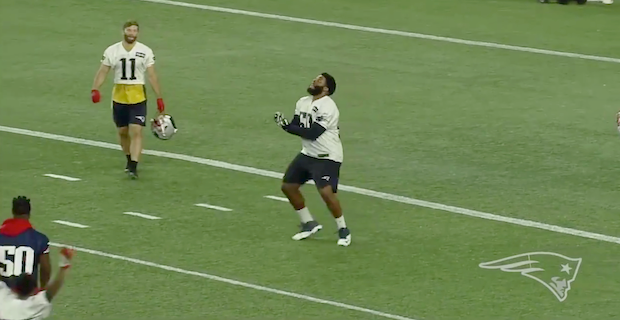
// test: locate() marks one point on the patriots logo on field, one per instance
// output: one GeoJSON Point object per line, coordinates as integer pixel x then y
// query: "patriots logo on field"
{"type": "Point", "coordinates": [554, 271]}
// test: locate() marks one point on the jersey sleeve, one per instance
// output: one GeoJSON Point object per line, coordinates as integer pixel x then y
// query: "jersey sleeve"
{"type": "Point", "coordinates": [298, 106]}
{"type": "Point", "coordinates": [45, 244]}
{"type": "Point", "coordinates": [106, 60]}
{"type": "Point", "coordinates": [324, 115]}
{"type": "Point", "coordinates": [150, 59]}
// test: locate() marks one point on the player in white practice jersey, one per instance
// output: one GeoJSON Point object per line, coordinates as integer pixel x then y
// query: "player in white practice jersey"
{"type": "Point", "coordinates": [316, 122]}
{"type": "Point", "coordinates": [130, 60]}
{"type": "Point", "coordinates": [24, 301]}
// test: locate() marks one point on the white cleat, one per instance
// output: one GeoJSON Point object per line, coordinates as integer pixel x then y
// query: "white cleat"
{"type": "Point", "coordinates": [307, 229]}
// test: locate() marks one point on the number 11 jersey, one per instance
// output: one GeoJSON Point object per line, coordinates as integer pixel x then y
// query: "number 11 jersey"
{"type": "Point", "coordinates": [129, 71]}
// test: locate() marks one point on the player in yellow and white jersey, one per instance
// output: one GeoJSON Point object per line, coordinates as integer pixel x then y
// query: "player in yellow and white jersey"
{"type": "Point", "coordinates": [130, 60]}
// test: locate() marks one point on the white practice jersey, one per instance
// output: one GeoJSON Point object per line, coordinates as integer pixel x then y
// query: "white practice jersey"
{"type": "Point", "coordinates": [324, 112]}
{"type": "Point", "coordinates": [36, 307]}
{"type": "Point", "coordinates": [129, 66]}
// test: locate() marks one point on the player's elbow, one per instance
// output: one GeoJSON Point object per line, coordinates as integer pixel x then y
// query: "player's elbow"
{"type": "Point", "coordinates": [153, 78]}
{"type": "Point", "coordinates": [103, 70]}
{"type": "Point", "coordinates": [315, 132]}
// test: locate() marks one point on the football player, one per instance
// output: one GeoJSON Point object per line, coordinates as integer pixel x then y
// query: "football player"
{"type": "Point", "coordinates": [22, 248]}
{"type": "Point", "coordinates": [25, 301]}
{"type": "Point", "coordinates": [316, 122]}
{"type": "Point", "coordinates": [130, 60]}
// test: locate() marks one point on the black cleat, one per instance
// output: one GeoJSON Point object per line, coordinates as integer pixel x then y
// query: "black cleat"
{"type": "Point", "coordinates": [344, 236]}
{"type": "Point", "coordinates": [132, 169]}
{"type": "Point", "coordinates": [307, 229]}
{"type": "Point", "coordinates": [132, 174]}
{"type": "Point", "coordinates": [128, 165]}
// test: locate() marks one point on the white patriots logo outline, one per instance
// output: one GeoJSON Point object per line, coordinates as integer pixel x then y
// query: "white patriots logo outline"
{"type": "Point", "coordinates": [525, 264]}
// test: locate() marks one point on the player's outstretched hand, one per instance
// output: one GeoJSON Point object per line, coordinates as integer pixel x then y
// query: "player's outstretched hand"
{"type": "Point", "coordinates": [280, 120]}
{"type": "Point", "coordinates": [66, 255]}
{"type": "Point", "coordinates": [95, 95]}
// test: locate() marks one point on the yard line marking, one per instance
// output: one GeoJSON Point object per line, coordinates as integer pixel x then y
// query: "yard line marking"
{"type": "Point", "coordinates": [277, 198]}
{"type": "Point", "coordinates": [209, 206]}
{"type": "Point", "coordinates": [235, 282]}
{"type": "Point", "coordinates": [362, 191]}
{"type": "Point", "coordinates": [387, 31]}
{"type": "Point", "coordinates": [57, 176]}
{"type": "Point", "coordinates": [141, 215]}
{"type": "Point", "coordinates": [71, 224]}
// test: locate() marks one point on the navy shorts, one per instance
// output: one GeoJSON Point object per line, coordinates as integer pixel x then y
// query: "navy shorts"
{"type": "Point", "coordinates": [323, 172]}
{"type": "Point", "coordinates": [125, 114]}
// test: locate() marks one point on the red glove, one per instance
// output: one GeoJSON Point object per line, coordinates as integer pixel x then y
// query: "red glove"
{"type": "Point", "coordinates": [95, 95]}
{"type": "Point", "coordinates": [160, 105]}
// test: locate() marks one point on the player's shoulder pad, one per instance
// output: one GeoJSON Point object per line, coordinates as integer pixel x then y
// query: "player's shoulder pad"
{"type": "Point", "coordinates": [304, 99]}
{"type": "Point", "coordinates": [327, 103]}
{"type": "Point", "coordinates": [145, 47]}
{"type": "Point", "coordinates": [41, 236]}
{"type": "Point", "coordinates": [113, 46]}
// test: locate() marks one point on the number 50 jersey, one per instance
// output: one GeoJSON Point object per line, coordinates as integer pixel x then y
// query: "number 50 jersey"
{"type": "Point", "coordinates": [21, 248]}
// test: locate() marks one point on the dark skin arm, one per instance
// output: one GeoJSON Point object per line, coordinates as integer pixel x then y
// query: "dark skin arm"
{"type": "Point", "coordinates": [45, 269]}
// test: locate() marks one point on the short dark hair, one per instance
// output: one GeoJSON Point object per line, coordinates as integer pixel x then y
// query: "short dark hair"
{"type": "Point", "coordinates": [21, 205]}
{"type": "Point", "coordinates": [131, 23]}
{"type": "Point", "coordinates": [330, 82]}
{"type": "Point", "coordinates": [25, 284]}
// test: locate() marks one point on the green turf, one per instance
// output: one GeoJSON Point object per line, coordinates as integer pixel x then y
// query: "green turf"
{"type": "Point", "coordinates": [518, 134]}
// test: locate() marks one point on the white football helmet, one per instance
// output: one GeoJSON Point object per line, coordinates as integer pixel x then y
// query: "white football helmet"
{"type": "Point", "coordinates": [163, 126]}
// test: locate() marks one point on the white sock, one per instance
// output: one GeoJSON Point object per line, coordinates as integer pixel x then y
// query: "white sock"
{"type": "Point", "coordinates": [304, 215]}
{"type": "Point", "coordinates": [340, 222]}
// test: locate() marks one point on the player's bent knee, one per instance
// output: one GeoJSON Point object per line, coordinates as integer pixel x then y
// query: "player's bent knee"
{"type": "Point", "coordinates": [288, 188]}
{"type": "Point", "coordinates": [326, 192]}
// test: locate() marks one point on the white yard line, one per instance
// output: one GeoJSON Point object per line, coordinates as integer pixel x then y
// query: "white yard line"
{"type": "Point", "coordinates": [141, 215]}
{"type": "Point", "coordinates": [387, 31]}
{"type": "Point", "coordinates": [362, 191]}
{"type": "Point", "coordinates": [277, 198]}
{"type": "Point", "coordinates": [57, 176]}
{"type": "Point", "coordinates": [210, 206]}
{"type": "Point", "coordinates": [70, 224]}
{"type": "Point", "coordinates": [235, 282]}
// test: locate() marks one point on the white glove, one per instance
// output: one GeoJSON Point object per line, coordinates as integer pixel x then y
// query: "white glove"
{"type": "Point", "coordinates": [66, 255]}
{"type": "Point", "coordinates": [280, 120]}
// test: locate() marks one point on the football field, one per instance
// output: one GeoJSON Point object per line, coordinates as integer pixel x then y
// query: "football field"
{"type": "Point", "coordinates": [473, 131]}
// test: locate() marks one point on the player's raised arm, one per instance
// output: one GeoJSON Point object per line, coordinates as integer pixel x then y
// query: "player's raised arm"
{"type": "Point", "coordinates": [154, 81]}
{"type": "Point", "coordinates": [66, 256]}
{"type": "Point", "coordinates": [312, 133]}
{"type": "Point", "coordinates": [295, 127]}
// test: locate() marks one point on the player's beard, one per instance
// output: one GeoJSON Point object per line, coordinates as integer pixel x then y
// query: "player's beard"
{"type": "Point", "coordinates": [314, 90]}
{"type": "Point", "coordinates": [129, 40]}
